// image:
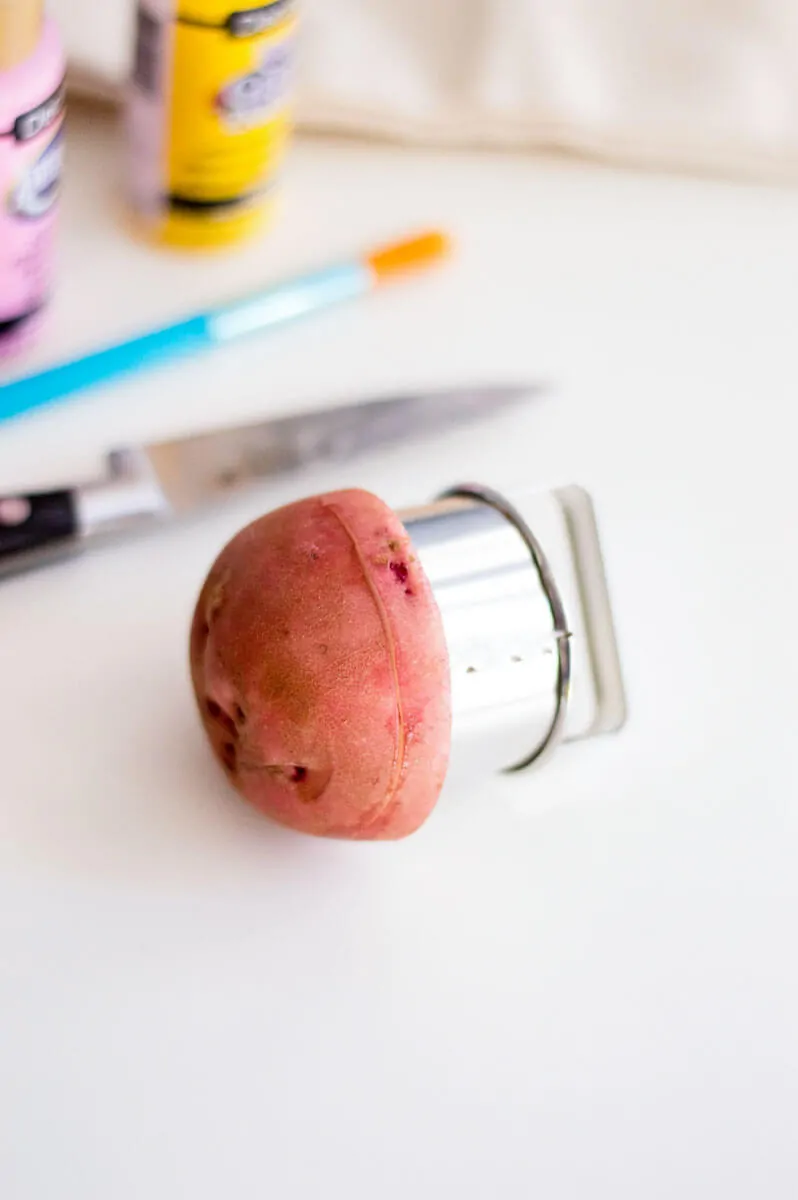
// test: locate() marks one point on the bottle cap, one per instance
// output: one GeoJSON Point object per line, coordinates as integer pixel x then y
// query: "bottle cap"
{"type": "Point", "coordinates": [20, 29]}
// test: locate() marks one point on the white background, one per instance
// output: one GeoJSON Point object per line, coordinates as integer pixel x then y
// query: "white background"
{"type": "Point", "coordinates": [571, 984]}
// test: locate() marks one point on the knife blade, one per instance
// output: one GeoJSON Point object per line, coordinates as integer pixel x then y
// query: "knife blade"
{"type": "Point", "coordinates": [151, 484]}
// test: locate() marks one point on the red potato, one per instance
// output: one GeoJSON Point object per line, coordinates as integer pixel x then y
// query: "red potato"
{"type": "Point", "coordinates": [320, 668]}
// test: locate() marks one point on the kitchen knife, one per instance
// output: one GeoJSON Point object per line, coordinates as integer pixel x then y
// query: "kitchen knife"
{"type": "Point", "coordinates": [148, 485]}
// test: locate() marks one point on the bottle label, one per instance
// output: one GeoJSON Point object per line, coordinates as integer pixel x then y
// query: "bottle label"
{"type": "Point", "coordinates": [249, 100]}
{"type": "Point", "coordinates": [31, 155]}
{"type": "Point", "coordinates": [147, 61]}
{"type": "Point", "coordinates": [34, 122]}
{"type": "Point", "coordinates": [38, 181]}
{"type": "Point", "coordinates": [37, 191]}
{"type": "Point", "coordinates": [257, 20]}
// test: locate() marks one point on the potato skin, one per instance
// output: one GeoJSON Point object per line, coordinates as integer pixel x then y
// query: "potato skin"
{"type": "Point", "coordinates": [320, 668]}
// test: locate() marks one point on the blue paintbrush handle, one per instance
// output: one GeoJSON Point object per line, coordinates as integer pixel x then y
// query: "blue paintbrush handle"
{"type": "Point", "coordinates": [32, 391]}
{"type": "Point", "coordinates": [280, 304]}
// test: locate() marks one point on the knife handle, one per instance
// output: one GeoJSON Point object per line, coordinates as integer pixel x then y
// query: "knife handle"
{"type": "Point", "coordinates": [36, 528]}
{"type": "Point", "coordinates": [39, 527]}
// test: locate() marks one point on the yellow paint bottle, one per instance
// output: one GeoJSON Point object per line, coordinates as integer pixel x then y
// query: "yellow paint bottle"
{"type": "Point", "coordinates": [208, 116]}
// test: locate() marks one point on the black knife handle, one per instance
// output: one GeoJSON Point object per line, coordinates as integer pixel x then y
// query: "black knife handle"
{"type": "Point", "coordinates": [35, 528]}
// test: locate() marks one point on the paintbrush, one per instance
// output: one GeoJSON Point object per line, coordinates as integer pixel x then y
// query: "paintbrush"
{"type": "Point", "coordinates": [277, 305]}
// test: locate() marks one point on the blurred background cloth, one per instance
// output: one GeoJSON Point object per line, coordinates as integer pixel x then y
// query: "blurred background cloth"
{"type": "Point", "coordinates": [706, 85]}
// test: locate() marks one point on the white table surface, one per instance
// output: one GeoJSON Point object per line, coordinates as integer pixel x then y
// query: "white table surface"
{"type": "Point", "coordinates": [577, 983]}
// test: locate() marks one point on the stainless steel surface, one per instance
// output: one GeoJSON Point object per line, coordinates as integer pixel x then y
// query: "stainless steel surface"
{"type": "Point", "coordinates": [594, 645]}
{"type": "Point", "coordinates": [505, 644]}
{"type": "Point", "coordinates": [521, 587]}
{"type": "Point", "coordinates": [549, 587]}
{"type": "Point", "coordinates": [148, 485]}
{"type": "Point", "coordinates": [128, 499]}
{"type": "Point", "coordinates": [197, 470]}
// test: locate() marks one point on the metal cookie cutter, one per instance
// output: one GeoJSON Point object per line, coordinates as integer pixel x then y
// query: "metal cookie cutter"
{"type": "Point", "coordinates": [522, 590]}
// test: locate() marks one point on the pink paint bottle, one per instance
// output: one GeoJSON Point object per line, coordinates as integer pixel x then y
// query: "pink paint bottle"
{"type": "Point", "coordinates": [31, 148]}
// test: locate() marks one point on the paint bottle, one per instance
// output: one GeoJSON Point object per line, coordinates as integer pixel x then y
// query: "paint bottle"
{"type": "Point", "coordinates": [208, 117]}
{"type": "Point", "coordinates": [31, 150]}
